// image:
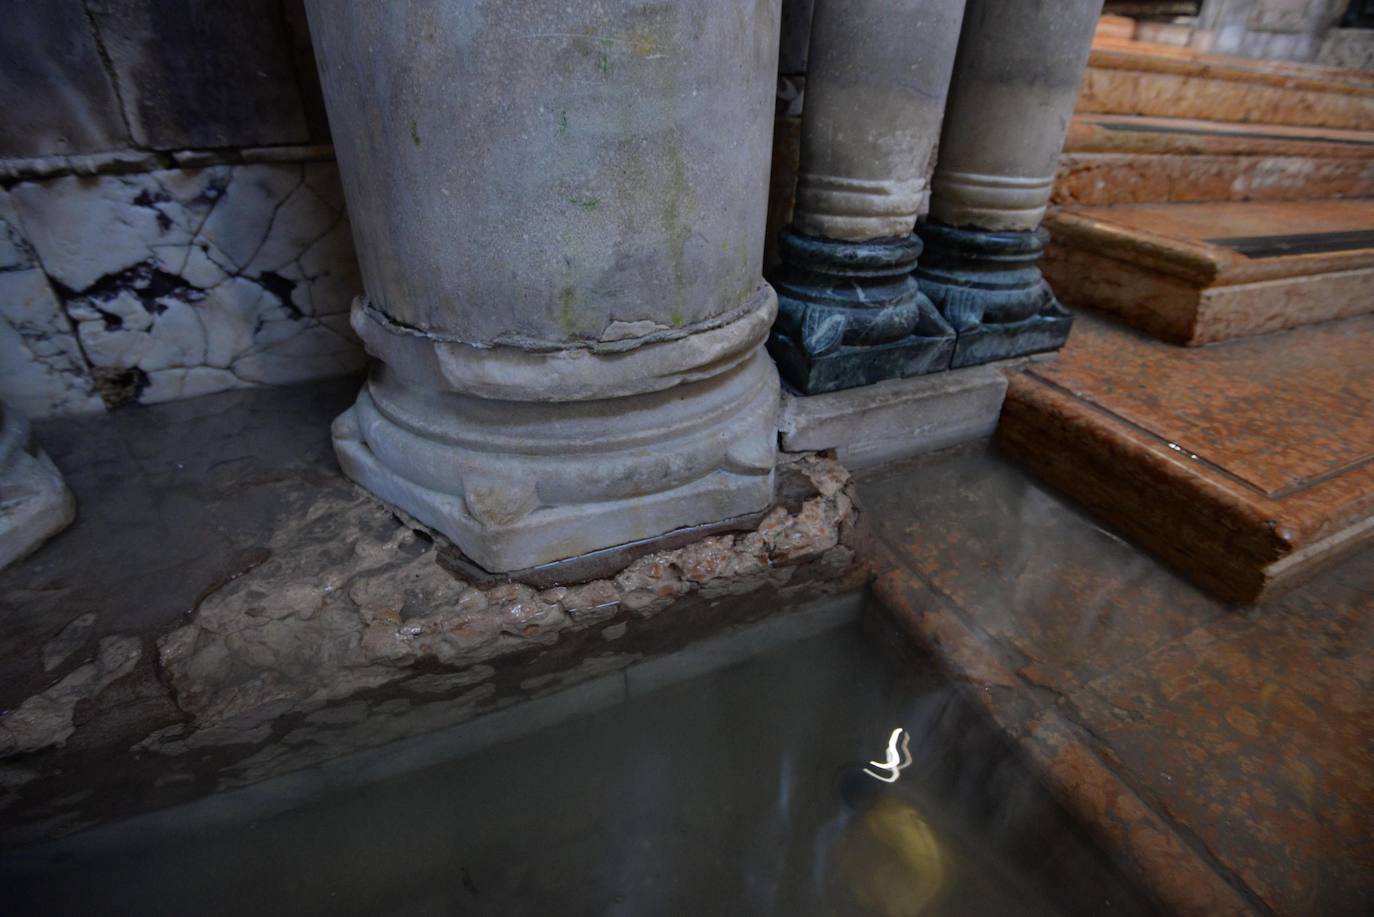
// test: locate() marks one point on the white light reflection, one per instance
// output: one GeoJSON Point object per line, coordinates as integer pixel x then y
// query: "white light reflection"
{"type": "Point", "coordinates": [896, 760]}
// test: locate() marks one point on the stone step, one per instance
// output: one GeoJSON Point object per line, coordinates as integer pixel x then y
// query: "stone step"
{"type": "Point", "coordinates": [1247, 466]}
{"type": "Point", "coordinates": [1133, 159]}
{"type": "Point", "coordinates": [1200, 273]}
{"type": "Point", "coordinates": [1135, 78]}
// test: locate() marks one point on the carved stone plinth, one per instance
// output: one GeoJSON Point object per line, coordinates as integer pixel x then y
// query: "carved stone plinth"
{"type": "Point", "coordinates": [987, 286]}
{"type": "Point", "coordinates": [1015, 81]}
{"type": "Point", "coordinates": [849, 312]}
{"type": "Point", "coordinates": [559, 212]}
{"type": "Point", "coordinates": [35, 503]}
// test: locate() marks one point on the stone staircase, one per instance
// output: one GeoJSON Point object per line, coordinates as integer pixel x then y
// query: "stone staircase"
{"type": "Point", "coordinates": [1224, 202]}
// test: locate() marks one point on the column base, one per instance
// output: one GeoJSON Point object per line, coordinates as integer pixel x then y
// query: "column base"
{"type": "Point", "coordinates": [987, 343]}
{"type": "Point", "coordinates": [851, 314]}
{"type": "Point", "coordinates": [36, 503]}
{"type": "Point", "coordinates": [518, 484]}
{"type": "Point", "coordinates": [850, 367]}
{"type": "Point", "coordinates": [986, 285]}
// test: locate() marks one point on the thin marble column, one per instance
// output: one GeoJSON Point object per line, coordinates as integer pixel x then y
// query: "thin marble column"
{"type": "Point", "coordinates": [559, 213]}
{"type": "Point", "coordinates": [850, 312]}
{"type": "Point", "coordinates": [1016, 80]}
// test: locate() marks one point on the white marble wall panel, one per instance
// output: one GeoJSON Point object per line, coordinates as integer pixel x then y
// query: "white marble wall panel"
{"type": "Point", "coordinates": [183, 282]}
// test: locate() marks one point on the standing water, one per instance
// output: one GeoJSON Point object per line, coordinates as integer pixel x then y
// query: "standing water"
{"type": "Point", "coordinates": [833, 774]}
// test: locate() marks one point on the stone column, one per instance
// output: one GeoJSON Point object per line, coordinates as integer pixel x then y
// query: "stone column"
{"type": "Point", "coordinates": [849, 311]}
{"type": "Point", "coordinates": [35, 503]}
{"type": "Point", "coordinates": [559, 213]}
{"type": "Point", "coordinates": [1015, 84]}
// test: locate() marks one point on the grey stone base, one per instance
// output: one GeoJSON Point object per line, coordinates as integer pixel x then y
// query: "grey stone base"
{"type": "Point", "coordinates": [522, 484]}
{"type": "Point", "coordinates": [859, 366]}
{"type": "Point", "coordinates": [35, 503]}
{"type": "Point", "coordinates": [895, 419]}
{"type": "Point", "coordinates": [986, 343]}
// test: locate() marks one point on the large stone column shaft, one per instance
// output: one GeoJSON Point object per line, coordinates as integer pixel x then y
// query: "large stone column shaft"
{"type": "Point", "coordinates": [877, 76]}
{"type": "Point", "coordinates": [559, 213]}
{"type": "Point", "coordinates": [1016, 80]}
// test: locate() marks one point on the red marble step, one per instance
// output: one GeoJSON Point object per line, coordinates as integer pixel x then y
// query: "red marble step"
{"type": "Point", "coordinates": [1247, 466]}
{"type": "Point", "coordinates": [1136, 78]}
{"type": "Point", "coordinates": [1124, 159]}
{"type": "Point", "coordinates": [1201, 273]}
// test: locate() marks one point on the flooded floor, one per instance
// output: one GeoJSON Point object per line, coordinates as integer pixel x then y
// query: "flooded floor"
{"type": "Point", "coordinates": [833, 774]}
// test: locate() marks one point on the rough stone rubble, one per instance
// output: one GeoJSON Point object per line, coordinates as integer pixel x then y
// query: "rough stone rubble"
{"type": "Point", "coordinates": [346, 600]}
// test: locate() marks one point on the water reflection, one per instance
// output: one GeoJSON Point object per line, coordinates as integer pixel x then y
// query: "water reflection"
{"type": "Point", "coordinates": [895, 760]}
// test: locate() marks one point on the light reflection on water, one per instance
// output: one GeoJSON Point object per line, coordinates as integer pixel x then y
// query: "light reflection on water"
{"type": "Point", "coordinates": [750, 790]}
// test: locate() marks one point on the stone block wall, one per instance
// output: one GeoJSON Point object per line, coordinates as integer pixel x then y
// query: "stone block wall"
{"type": "Point", "coordinates": [171, 221]}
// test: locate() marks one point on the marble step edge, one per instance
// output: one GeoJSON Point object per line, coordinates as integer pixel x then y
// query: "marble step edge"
{"type": "Point", "coordinates": [1139, 55]}
{"type": "Point", "coordinates": [1180, 312]}
{"type": "Point", "coordinates": [1098, 132]}
{"type": "Point", "coordinates": [1199, 263]}
{"type": "Point", "coordinates": [1107, 179]}
{"type": "Point", "coordinates": [1132, 83]}
{"type": "Point", "coordinates": [1231, 542]}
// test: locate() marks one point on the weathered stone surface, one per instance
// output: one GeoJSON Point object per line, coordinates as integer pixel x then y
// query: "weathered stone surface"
{"type": "Point", "coordinates": [35, 504]}
{"type": "Point", "coordinates": [56, 97]}
{"type": "Point", "coordinates": [46, 719]}
{"type": "Point", "coordinates": [349, 601]}
{"type": "Point", "coordinates": [185, 282]}
{"type": "Point", "coordinates": [222, 504]}
{"type": "Point", "coordinates": [1352, 48]}
{"type": "Point", "coordinates": [72, 638]}
{"type": "Point", "coordinates": [197, 73]}
{"type": "Point", "coordinates": [892, 420]}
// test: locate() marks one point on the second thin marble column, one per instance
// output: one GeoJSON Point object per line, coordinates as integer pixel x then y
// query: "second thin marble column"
{"type": "Point", "coordinates": [1015, 84]}
{"type": "Point", "coordinates": [850, 312]}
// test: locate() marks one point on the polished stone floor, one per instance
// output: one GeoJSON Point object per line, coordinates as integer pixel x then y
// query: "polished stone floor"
{"type": "Point", "coordinates": [1227, 753]}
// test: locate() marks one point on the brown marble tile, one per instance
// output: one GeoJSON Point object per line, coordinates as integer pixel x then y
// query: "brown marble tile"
{"type": "Point", "coordinates": [1033, 581]}
{"type": "Point", "coordinates": [1276, 412]}
{"type": "Point", "coordinates": [1226, 757]}
{"type": "Point", "coordinates": [1264, 722]}
{"type": "Point", "coordinates": [1248, 465]}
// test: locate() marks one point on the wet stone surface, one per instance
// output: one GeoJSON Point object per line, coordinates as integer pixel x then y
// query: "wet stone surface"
{"type": "Point", "coordinates": [1228, 756]}
{"type": "Point", "coordinates": [228, 608]}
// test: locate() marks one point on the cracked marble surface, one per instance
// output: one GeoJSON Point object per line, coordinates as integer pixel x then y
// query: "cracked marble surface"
{"type": "Point", "coordinates": [177, 282]}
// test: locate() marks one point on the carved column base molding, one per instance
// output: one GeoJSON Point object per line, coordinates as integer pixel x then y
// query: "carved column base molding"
{"type": "Point", "coordinates": [518, 482]}
{"type": "Point", "coordinates": [850, 314]}
{"type": "Point", "coordinates": [987, 287]}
